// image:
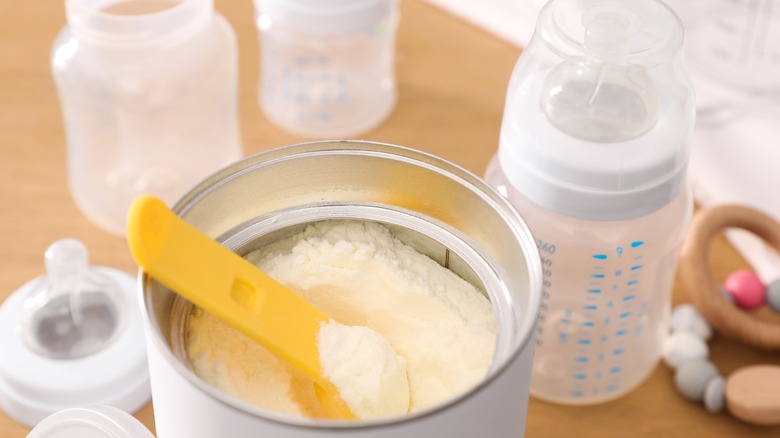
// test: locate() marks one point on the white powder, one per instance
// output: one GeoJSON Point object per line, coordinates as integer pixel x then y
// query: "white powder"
{"type": "Point", "coordinates": [362, 365]}
{"type": "Point", "coordinates": [361, 275]}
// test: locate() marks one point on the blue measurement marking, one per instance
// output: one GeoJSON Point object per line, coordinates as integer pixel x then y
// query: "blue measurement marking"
{"type": "Point", "coordinates": [587, 324]}
{"type": "Point", "coordinates": [618, 351]}
{"type": "Point", "coordinates": [621, 332]}
{"type": "Point", "coordinates": [581, 377]}
{"type": "Point", "coordinates": [581, 359]}
{"type": "Point", "coordinates": [590, 307]}
{"type": "Point", "coordinates": [637, 244]}
{"type": "Point", "coordinates": [637, 267]}
{"type": "Point", "coordinates": [629, 297]}
{"type": "Point", "coordinates": [625, 315]}
{"type": "Point", "coordinates": [612, 388]}
{"type": "Point", "coordinates": [584, 342]}
{"type": "Point", "coordinates": [597, 275]}
{"type": "Point", "coordinates": [600, 256]}
{"type": "Point", "coordinates": [632, 282]}
{"type": "Point", "coordinates": [577, 394]}
{"type": "Point", "coordinates": [615, 370]}
{"type": "Point", "coordinates": [593, 291]}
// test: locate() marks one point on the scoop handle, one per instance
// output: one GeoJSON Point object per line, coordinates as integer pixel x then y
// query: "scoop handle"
{"type": "Point", "coordinates": [198, 268]}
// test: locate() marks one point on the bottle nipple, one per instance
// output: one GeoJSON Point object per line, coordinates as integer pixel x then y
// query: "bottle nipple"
{"type": "Point", "coordinates": [74, 311]}
{"type": "Point", "coordinates": [599, 96]}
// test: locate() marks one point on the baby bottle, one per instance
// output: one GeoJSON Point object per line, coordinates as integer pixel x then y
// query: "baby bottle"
{"type": "Point", "coordinates": [148, 94]}
{"type": "Point", "coordinates": [593, 152]}
{"type": "Point", "coordinates": [327, 66]}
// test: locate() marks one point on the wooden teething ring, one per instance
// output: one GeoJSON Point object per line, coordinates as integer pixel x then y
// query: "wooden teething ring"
{"type": "Point", "coordinates": [702, 286]}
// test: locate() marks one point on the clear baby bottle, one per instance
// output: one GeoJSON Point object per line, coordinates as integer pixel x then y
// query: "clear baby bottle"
{"type": "Point", "coordinates": [148, 91]}
{"type": "Point", "coordinates": [327, 66]}
{"type": "Point", "coordinates": [593, 153]}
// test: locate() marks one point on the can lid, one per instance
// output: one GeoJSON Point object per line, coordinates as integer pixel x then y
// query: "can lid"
{"type": "Point", "coordinates": [35, 384]}
{"type": "Point", "coordinates": [90, 422]}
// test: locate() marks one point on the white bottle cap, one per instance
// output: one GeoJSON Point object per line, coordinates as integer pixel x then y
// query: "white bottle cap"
{"type": "Point", "coordinates": [600, 112]}
{"type": "Point", "coordinates": [90, 422]}
{"type": "Point", "coordinates": [36, 382]}
{"type": "Point", "coordinates": [326, 16]}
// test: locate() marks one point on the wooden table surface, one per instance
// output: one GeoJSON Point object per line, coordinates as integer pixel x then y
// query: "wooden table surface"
{"type": "Point", "coordinates": [452, 78]}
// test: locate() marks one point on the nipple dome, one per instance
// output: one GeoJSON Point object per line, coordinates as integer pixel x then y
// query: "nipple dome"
{"type": "Point", "coordinates": [598, 95]}
{"type": "Point", "coordinates": [74, 311]}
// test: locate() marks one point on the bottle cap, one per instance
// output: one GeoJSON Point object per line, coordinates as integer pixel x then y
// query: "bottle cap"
{"type": "Point", "coordinates": [90, 422]}
{"type": "Point", "coordinates": [73, 337]}
{"type": "Point", "coordinates": [599, 110]}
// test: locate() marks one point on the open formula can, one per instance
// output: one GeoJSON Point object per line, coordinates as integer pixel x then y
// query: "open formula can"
{"type": "Point", "coordinates": [440, 209]}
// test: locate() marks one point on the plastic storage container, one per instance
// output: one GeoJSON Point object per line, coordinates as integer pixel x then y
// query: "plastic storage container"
{"type": "Point", "coordinates": [593, 152]}
{"type": "Point", "coordinates": [148, 92]}
{"type": "Point", "coordinates": [327, 67]}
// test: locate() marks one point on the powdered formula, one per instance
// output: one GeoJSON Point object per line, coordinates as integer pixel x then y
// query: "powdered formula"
{"type": "Point", "coordinates": [360, 274]}
{"type": "Point", "coordinates": [369, 375]}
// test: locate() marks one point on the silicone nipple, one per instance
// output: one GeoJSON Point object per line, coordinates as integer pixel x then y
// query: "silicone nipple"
{"type": "Point", "coordinates": [599, 96]}
{"type": "Point", "coordinates": [74, 310]}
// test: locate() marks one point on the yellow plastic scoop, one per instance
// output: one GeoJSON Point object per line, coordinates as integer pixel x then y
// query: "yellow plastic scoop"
{"type": "Point", "coordinates": [221, 282]}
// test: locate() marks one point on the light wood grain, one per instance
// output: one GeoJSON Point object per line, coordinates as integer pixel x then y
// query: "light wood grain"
{"type": "Point", "coordinates": [452, 80]}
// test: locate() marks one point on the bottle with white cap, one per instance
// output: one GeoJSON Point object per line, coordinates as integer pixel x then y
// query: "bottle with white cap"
{"type": "Point", "coordinates": [327, 66]}
{"type": "Point", "coordinates": [593, 152]}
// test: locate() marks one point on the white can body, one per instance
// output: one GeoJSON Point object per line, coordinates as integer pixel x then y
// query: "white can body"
{"type": "Point", "coordinates": [181, 409]}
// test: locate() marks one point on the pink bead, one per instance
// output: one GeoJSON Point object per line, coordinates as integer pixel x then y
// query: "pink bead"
{"type": "Point", "coordinates": [747, 289]}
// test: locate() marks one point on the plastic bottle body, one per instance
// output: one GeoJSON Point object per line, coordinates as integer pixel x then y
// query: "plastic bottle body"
{"type": "Point", "coordinates": [149, 101]}
{"type": "Point", "coordinates": [606, 296]}
{"type": "Point", "coordinates": [327, 83]}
